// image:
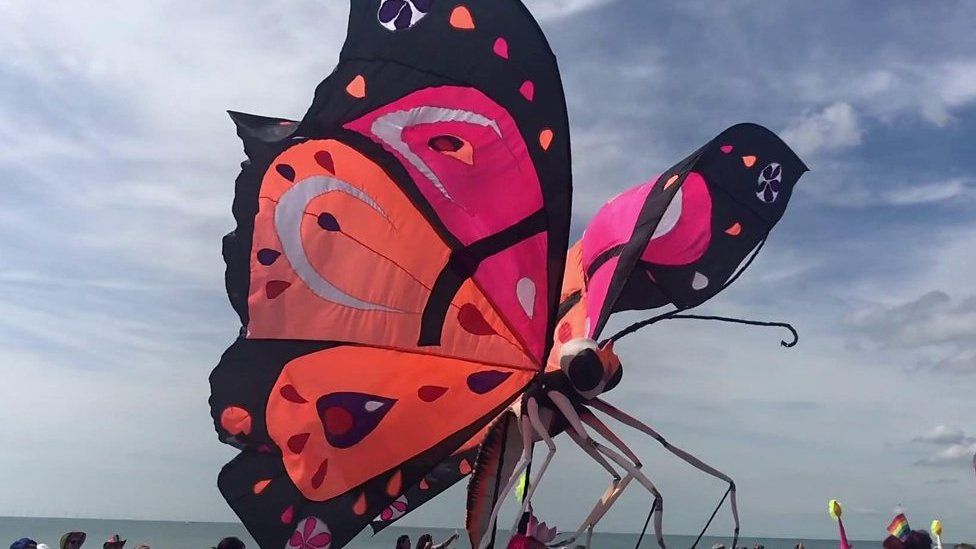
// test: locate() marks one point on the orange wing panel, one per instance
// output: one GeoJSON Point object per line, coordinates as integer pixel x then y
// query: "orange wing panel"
{"type": "Point", "coordinates": [324, 206]}
{"type": "Point", "coordinates": [343, 414]}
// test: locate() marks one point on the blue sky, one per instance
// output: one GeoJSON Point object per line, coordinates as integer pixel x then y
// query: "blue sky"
{"type": "Point", "coordinates": [119, 164]}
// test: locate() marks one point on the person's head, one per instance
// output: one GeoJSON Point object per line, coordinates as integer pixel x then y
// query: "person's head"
{"type": "Point", "coordinates": [24, 543]}
{"type": "Point", "coordinates": [403, 542]}
{"type": "Point", "coordinates": [917, 539]}
{"type": "Point", "coordinates": [73, 540]}
{"type": "Point", "coordinates": [230, 543]}
{"type": "Point", "coordinates": [114, 542]}
{"type": "Point", "coordinates": [424, 540]}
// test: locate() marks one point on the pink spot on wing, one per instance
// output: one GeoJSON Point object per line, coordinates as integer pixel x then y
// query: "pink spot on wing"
{"type": "Point", "coordinates": [275, 288]}
{"type": "Point", "coordinates": [324, 159]}
{"type": "Point", "coordinates": [473, 321]}
{"type": "Point", "coordinates": [288, 515]}
{"type": "Point", "coordinates": [290, 393]}
{"type": "Point", "coordinates": [565, 332]}
{"type": "Point", "coordinates": [528, 90]}
{"type": "Point", "coordinates": [430, 393]}
{"type": "Point", "coordinates": [726, 149]}
{"type": "Point", "coordinates": [297, 443]}
{"type": "Point", "coordinates": [319, 477]}
{"type": "Point", "coordinates": [501, 48]}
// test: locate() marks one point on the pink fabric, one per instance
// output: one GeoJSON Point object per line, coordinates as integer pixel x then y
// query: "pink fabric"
{"type": "Point", "coordinates": [614, 224]}
{"type": "Point", "coordinates": [597, 288]}
{"type": "Point", "coordinates": [509, 279]}
{"type": "Point", "coordinates": [520, 541]}
{"type": "Point", "coordinates": [843, 535]}
{"type": "Point", "coordinates": [500, 188]}
{"type": "Point", "coordinates": [684, 241]}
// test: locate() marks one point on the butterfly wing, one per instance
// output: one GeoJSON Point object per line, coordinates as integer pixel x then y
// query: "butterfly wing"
{"type": "Point", "coordinates": [493, 454]}
{"type": "Point", "coordinates": [446, 474]}
{"type": "Point", "coordinates": [680, 239]}
{"type": "Point", "coordinates": [396, 265]}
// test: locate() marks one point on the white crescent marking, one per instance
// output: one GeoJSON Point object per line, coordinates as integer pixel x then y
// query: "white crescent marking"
{"type": "Point", "coordinates": [289, 214]}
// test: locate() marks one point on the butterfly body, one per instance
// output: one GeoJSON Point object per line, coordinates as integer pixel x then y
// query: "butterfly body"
{"type": "Point", "coordinates": [402, 271]}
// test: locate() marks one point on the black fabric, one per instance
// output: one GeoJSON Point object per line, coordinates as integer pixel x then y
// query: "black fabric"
{"type": "Point", "coordinates": [440, 478]}
{"type": "Point", "coordinates": [462, 265]}
{"type": "Point", "coordinates": [733, 188]}
{"type": "Point", "coordinates": [585, 370]}
{"type": "Point", "coordinates": [394, 65]}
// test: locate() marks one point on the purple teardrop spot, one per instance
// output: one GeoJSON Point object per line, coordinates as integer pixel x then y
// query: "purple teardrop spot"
{"type": "Point", "coordinates": [328, 222]}
{"type": "Point", "coordinates": [267, 256]}
{"type": "Point", "coordinates": [286, 171]}
{"type": "Point", "coordinates": [484, 382]}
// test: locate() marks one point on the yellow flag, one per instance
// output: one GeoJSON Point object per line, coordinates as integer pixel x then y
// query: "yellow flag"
{"type": "Point", "coordinates": [520, 488]}
{"type": "Point", "coordinates": [937, 527]}
{"type": "Point", "coordinates": [834, 509]}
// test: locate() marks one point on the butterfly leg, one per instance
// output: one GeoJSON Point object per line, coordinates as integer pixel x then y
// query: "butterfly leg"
{"type": "Point", "coordinates": [576, 424]}
{"type": "Point", "coordinates": [532, 409]}
{"type": "Point", "coordinates": [632, 422]}
{"type": "Point", "coordinates": [633, 468]}
{"type": "Point", "coordinates": [525, 428]}
{"type": "Point", "coordinates": [616, 486]}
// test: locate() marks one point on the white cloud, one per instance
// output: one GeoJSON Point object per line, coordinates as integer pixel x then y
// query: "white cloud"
{"type": "Point", "coordinates": [953, 446]}
{"type": "Point", "coordinates": [929, 193]}
{"type": "Point", "coordinates": [954, 454]}
{"type": "Point", "coordinates": [113, 112]}
{"type": "Point", "coordinates": [939, 331]}
{"type": "Point", "coordinates": [950, 86]}
{"type": "Point", "coordinates": [555, 9]}
{"type": "Point", "coordinates": [835, 127]}
{"type": "Point", "coordinates": [941, 434]}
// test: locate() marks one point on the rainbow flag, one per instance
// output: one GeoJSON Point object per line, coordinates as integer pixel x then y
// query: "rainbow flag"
{"type": "Point", "coordinates": [899, 527]}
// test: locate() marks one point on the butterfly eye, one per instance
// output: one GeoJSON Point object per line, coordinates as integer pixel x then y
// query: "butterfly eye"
{"type": "Point", "coordinates": [452, 146]}
{"type": "Point", "coordinates": [446, 143]}
{"type": "Point", "coordinates": [585, 371]}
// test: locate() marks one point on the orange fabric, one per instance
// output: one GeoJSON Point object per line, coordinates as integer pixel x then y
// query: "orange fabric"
{"type": "Point", "coordinates": [383, 237]}
{"type": "Point", "coordinates": [573, 324]}
{"type": "Point", "coordinates": [393, 377]}
{"type": "Point", "coordinates": [461, 18]}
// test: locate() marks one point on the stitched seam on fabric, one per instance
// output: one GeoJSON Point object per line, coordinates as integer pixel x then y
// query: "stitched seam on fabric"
{"type": "Point", "coordinates": [525, 348]}
{"type": "Point", "coordinates": [514, 344]}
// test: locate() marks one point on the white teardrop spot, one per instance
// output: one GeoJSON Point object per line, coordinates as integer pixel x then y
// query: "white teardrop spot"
{"type": "Point", "coordinates": [700, 282]}
{"type": "Point", "coordinates": [671, 216]}
{"type": "Point", "coordinates": [525, 290]}
{"type": "Point", "coordinates": [373, 405]}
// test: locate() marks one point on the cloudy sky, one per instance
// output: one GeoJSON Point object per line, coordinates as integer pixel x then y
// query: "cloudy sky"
{"type": "Point", "coordinates": [118, 165]}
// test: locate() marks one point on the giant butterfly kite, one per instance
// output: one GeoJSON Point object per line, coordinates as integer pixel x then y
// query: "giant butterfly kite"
{"type": "Point", "coordinates": [412, 312]}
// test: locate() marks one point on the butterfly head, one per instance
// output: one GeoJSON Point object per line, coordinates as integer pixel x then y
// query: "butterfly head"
{"type": "Point", "coordinates": [591, 369]}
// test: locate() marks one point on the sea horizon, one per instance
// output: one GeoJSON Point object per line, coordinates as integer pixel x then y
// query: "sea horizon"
{"type": "Point", "coordinates": [188, 534]}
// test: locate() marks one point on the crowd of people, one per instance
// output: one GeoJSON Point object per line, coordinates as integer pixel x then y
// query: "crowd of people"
{"type": "Point", "coordinates": [74, 540]}
{"type": "Point", "coordinates": [527, 538]}
{"type": "Point", "coordinates": [425, 541]}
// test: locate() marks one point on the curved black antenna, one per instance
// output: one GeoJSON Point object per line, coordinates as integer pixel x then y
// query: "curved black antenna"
{"type": "Point", "coordinates": [677, 314]}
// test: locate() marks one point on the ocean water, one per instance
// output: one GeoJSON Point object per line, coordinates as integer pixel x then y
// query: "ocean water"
{"type": "Point", "coordinates": [204, 535]}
